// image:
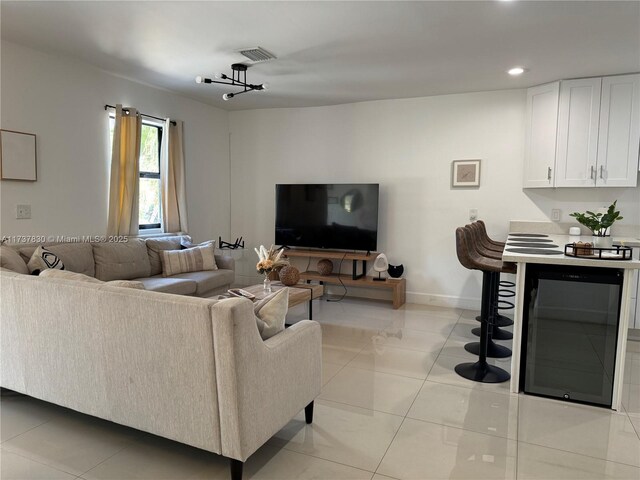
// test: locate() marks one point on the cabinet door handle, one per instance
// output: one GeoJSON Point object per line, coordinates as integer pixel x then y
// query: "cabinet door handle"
{"type": "Point", "coordinates": [602, 172]}
{"type": "Point", "coordinates": [549, 174]}
{"type": "Point", "coordinates": [593, 173]}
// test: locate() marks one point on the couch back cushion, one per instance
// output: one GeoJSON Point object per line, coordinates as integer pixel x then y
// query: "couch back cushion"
{"type": "Point", "coordinates": [196, 259]}
{"type": "Point", "coordinates": [157, 245]}
{"type": "Point", "coordinates": [11, 260]}
{"type": "Point", "coordinates": [76, 257]}
{"type": "Point", "coordinates": [121, 261]}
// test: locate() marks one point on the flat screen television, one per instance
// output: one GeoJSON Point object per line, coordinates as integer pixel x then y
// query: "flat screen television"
{"type": "Point", "coordinates": [340, 216]}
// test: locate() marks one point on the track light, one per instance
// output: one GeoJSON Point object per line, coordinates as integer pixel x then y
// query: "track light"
{"type": "Point", "coordinates": [238, 69]}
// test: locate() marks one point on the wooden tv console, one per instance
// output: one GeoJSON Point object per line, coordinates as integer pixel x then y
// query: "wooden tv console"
{"type": "Point", "coordinates": [398, 286]}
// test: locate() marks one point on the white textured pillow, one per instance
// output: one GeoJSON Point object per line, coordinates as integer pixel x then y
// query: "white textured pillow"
{"type": "Point", "coordinates": [10, 259]}
{"type": "Point", "coordinates": [43, 259]}
{"type": "Point", "coordinates": [194, 259]}
{"type": "Point", "coordinates": [271, 312]}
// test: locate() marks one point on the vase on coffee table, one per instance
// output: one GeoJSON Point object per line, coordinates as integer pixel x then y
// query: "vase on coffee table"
{"type": "Point", "coordinates": [266, 284]}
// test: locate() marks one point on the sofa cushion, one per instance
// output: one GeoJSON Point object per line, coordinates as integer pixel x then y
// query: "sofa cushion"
{"type": "Point", "coordinates": [121, 261]}
{"type": "Point", "coordinates": [79, 277]}
{"type": "Point", "coordinates": [190, 260]}
{"type": "Point", "coordinates": [43, 259]}
{"type": "Point", "coordinates": [271, 312]}
{"type": "Point", "coordinates": [179, 286]}
{"type": "Point", "coordinates": [156, 245]}
{"type": "Point", "coordinates": [208, 280]}
{"type": "Point", "coordinates": [11, 260]}
{"type": "Point", "coordinates": [77, 257]}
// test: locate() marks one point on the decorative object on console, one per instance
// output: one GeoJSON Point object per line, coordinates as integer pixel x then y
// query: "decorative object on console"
{"type": "Point", "coordinates": [269, 261]}
{"type": "Point", "coordinates": [395, 271]}
{"type": "Point", "coordinates": [42, 259]}
{"type": "Point", "coordinates": [380, 264]}
{"type": "Point", "coordinates": [238, 70]}
{"type": "Point", "coordinates": [18, 156]}
{"type": "Point", "coordinates": [289, 275]}
{"type": "Point", "coordinates": [599, 224]}
{"type": "Point", "coordinates": [325, 267]}
{"type": "Point", "coordinates": [465, 173]}
{"type": "Point", "coordinates": [239, 243]}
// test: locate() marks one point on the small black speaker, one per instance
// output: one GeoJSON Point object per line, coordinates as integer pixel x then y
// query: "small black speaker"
{"type": "Point", "coordinates": [395, 271]}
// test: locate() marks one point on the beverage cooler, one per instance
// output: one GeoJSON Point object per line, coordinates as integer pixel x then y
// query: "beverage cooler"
{"type": "Point", "coordinates": [570, 332]}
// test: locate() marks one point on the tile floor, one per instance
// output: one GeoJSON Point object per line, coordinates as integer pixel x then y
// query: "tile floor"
{"type": "Point", "coordinates": [391, 407]}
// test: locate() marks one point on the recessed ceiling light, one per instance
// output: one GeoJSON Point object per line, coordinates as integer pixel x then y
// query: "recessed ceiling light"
{"type": "Point", "coordinates": [516, 71]}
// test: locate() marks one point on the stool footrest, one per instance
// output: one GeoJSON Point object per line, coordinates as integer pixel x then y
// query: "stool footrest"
{"type": "Point", "coordinates": [493, 350]}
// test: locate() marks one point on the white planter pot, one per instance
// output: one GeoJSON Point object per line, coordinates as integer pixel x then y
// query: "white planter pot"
{"type": "Point", "coordinates": [602, 242]}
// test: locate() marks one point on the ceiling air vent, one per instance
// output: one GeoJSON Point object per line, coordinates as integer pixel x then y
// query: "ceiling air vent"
{"type": "Point", "coordinates": [257, 54]}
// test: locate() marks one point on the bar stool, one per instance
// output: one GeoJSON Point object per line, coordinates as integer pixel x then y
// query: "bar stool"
{"type": "Point", "coordinates": [493, 350]}
{"type": "Point", "coordinates": [501, 321]}
{"type": "Point", "coordinates": [480, 371]}
{"type": "Point", "coordinates": [485, 248]}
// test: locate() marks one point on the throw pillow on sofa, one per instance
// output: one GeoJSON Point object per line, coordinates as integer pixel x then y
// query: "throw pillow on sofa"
{"type": "Point", "coordinates": [43, 259]}
{"type": "Point", "coordinates": [11, 260]}
{"type": "Point", "coordinates": [79, 277]}
{"type": "Point", "coordinates": [195, 259]}
{"type": "Point", "coordinates": [271, 312]}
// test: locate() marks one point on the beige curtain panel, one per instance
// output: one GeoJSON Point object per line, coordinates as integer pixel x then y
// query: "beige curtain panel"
{"type": "Point", "coordinates": [123, 187]}
{"type": "Point", "coordinates": [174, 197]}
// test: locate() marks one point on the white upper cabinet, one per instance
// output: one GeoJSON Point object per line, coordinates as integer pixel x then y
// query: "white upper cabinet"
{"type": "Point", "coordinates": [578, 115]}
{"type": "Point", "coordinates": [583, 133]}
{"type": "Point", "coordinates": [540, 141]}
{"type": "Point", "coordinates": [619, 136]}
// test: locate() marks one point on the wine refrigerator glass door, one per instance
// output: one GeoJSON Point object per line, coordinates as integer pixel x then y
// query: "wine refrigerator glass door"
{"type": "Point", "coordinates": [571, 317]}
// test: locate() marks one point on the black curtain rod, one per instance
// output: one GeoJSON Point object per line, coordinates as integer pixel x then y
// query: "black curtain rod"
{"type": "Point", "coordinates": [141, 114]}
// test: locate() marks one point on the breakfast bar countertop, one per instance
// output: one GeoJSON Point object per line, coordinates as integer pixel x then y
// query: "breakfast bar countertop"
{"type": "Point", "coordinates": [561, 259]}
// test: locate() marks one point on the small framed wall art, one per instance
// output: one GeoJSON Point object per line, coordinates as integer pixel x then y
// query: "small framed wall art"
{"type": "Point", "coordinates": [18, 156]}
{"type": "Point", "coordinates": [465, 173]}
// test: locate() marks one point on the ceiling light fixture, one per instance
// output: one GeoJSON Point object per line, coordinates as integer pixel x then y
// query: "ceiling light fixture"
{"type": "Point", "coordinates": [239, 70]}
{"type": "Point", "coordinates": [515, 71]}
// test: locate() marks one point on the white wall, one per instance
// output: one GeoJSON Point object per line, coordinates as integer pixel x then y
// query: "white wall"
{"type": "Point", "coordinates": [62, 102]}
{"type": "Point", "coordinates": [407, 146]}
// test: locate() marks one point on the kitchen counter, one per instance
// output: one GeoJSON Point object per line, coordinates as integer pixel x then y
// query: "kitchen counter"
{"type": "Point", "coordinates": [561, 241]}
{"type": "Point", "coordinates": [522, 259]}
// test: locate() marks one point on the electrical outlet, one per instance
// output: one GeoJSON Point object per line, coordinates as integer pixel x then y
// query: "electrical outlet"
{"type": "Point", "coordinates": [473, 214]}
{"type": "Point", "coordinates": [555, 215]}
{"type": "Point", "coordinates": [23, 212]}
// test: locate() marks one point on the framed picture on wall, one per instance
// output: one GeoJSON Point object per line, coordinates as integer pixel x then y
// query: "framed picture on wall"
{"type": "Point", "coordinates": [465, 173]}
{"type": "Point", "coordinates": [18, 156]}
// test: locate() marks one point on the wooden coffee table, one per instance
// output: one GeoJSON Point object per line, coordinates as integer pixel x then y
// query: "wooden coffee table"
{"type": "Point", "coordinates": [299, 293]}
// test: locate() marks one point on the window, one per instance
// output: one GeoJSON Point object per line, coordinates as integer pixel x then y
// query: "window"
{"type": "Point", "coordinates": [149, 189]}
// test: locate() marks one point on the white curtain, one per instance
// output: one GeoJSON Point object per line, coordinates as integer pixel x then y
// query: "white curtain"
{"type": "Point", "coordinates": [123, 187]}
{"type": "Point", "coordinates": [174, 199]}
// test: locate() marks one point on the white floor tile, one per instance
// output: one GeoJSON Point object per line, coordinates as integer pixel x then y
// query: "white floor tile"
{"type": "Point", "coordinates": [16, 467]}
{"type": "Point", "coordinates": [443, 372]}
{"type": "Point", "coordinates": [348, 435]}
{"type": "Point", "coordinates": [328, 371]}
{"type": "Point", "coordinates": [410, 339]}
{"type": "Point", "coordinates": [378, 391]}
{"type": "Point", "coordinates": [20, 414]}
{"type": "Point", "coordinates": [340, 355]}
{"type": "Point", "coordinates": [73, 444]}
{"type": "Point", "coordinates": [398, 361]}
{"type": "Point", "coordinates": [423, 450]}
{"type": "Point", "coordinates": [541, 463]}
{"type": "Point", "coordinates": [155, 458]}
{"type": "Point", "coordinates": [591, 431]}
{"type": "Point", "coordinates": [470, 409]}
{"type": "Point", "coordinates": [631, 399]}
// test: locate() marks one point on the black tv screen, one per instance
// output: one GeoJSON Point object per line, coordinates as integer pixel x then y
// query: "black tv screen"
{"type": "Point", "coordinates": [337, 216]}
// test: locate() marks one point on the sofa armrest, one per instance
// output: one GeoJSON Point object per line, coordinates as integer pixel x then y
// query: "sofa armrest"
{"type": "Point", "coordinates": [225, 263]}
{"type": "Point", "coordinates": [262, 385]}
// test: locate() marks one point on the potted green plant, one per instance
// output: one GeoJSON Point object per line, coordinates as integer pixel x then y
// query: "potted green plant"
{"type": "Point", "coordinates": [599, 224]}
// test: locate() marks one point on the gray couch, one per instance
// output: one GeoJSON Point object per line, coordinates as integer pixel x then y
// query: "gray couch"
{"type": "Point", "coordinates": [137, 259]}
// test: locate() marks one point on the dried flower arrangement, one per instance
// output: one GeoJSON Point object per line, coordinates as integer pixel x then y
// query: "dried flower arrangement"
{"type": "Point", "coordinates": [269, 260]}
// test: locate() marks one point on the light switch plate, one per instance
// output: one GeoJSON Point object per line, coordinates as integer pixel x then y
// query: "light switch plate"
{"type": "Point", "coordinates": [23, 212]}
{"type": "Point", "coordinates": [555, 215]}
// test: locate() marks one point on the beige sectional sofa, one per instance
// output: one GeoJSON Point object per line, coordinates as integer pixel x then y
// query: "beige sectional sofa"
{"type": "Point", "coordinates": [137, 259]}
{"type": "Point", "coordinates": [190, 369]}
